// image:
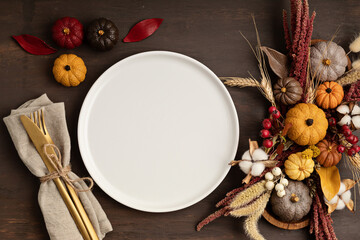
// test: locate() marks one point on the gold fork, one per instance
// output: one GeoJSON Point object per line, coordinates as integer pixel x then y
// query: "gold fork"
{"type": "Point", "coordinates": [81, 218]}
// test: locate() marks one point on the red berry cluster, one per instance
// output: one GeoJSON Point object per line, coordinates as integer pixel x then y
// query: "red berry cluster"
{"type": "Point", "coordinates": [352, 139]}
{"type": "Point", "coordinates": [265, 133]}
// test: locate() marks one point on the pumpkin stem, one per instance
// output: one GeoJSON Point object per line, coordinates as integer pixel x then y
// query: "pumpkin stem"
{"type": "Point", "coordinates": [326, 62]}
{"type": "Point", "coordinates": [67, 68]}
{"type": "Point", "coordinates": [101, 32]}
{"type": "Point", "coordinates": [328, 90]}
{"type": "Point", "coordinates": [294, 198]}
{"type": "Point", "coordinates": [283, 90]}
{"type": "Point", "coordinates": [66, 31]}
{"type": "Point", "coordinates": [309, 122]}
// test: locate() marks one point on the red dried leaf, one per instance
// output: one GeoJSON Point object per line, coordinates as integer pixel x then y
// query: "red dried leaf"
{"type": "Point", "coordinates": [280, 149]}
{"type": "Point", "coordinates": [143, 29]}
{"type": "Point", "coordinates": [34, 45]}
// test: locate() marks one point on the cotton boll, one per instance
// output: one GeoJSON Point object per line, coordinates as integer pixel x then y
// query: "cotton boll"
{"type": "Point", "coordinates": [356, 64]}
{"type": "Point", "coordinates": [346, 120]}
{"type": "Point", "coordinates": [340, 205]}
{"type": "Point", "coordinates": [346, 196]}
{"type": "Point", "coordinates": [356, 109]}
{"type": "Point", "coordinates": [246, 155]}
{"type": "Point", "coordinates": [245, 166]}
{"type": "Point", "coordinates": [259, 155]}
{"type": "Point", "coordinates": [342, 189]}
{"type": "Point", "coordinates": [356, 121]}
{"type": "Point", "coordinates": [333, 200]}
{"type": "Point", "coordinates": [355, 45]}
{"type": "Point", "coordinates": [257, 169]}
{"type": "Point", "coordinates": [343, 109]}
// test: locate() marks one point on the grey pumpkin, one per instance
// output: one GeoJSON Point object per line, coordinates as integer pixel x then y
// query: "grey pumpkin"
{"type": "Point", "coordinates": [288, 91]}
{"type": "Point", "coordinates": [328, 61]}
{"type": "Point", "coordinates": [294, 205]}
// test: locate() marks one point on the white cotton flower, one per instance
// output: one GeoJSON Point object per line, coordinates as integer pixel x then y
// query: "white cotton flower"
{"type": "Point", "coordinates": [356, 121]}
{"type": "Point", "coordinates": [342, 189]}
{"type": "Point", "coordinates": [350, 116]}
{"type": "Point", "coordinates": [346, 196]}
{"type": "Point", "coordinates": [333, 200]}
{"type": "Point", "coordinates": [259, 155]}
{"type": "Point", "coordinates": [356, 110]}
{"type": "Point", "coordinates": [257, 169]}
{"type": "Point", "coordinates": [340, 205]}
{"type": "Point", "coordinates": [253, 163]}
{"type": "Point", "coordinates": [342, 198]}
{"type": "Point", "coordinates": [343, 109]}
{"type": "Point", "coordinates": [245, 166]}
{"type": "Point", "coordinates": [246, 155]}
{"type": "Point", "coordinates": [346, 120]}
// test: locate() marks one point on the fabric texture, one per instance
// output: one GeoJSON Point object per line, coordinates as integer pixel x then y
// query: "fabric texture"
{"type": "Point", "coordinates": [58, 220]}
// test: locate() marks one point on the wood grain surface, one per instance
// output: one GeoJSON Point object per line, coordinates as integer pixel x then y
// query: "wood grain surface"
{"type": "Point", "coordinates": [203, 29]}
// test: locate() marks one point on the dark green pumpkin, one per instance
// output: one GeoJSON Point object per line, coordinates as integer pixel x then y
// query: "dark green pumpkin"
{"type": "Point", "coordinates": [102, 34]}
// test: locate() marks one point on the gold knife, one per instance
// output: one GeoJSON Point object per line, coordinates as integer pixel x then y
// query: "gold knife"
{"type": "Point", "coordinates": [39, 140]}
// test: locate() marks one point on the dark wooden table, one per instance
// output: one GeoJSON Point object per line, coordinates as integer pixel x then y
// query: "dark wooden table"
{"type": "Point", "coordinates": [205, 30]}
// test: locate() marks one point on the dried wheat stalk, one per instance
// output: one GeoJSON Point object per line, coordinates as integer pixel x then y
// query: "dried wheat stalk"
{"type": "Point", "coordinates": [240, 82]}
{"type": "Point", "coordinates": [264, 85]}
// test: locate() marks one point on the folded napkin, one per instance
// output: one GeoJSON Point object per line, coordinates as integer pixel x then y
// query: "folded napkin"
{"type": "Point", "coordinates": [59, 223]}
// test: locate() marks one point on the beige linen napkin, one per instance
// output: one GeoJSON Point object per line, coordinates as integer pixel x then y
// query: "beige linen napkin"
{"type": "Point", "coordinates": [59, 222]}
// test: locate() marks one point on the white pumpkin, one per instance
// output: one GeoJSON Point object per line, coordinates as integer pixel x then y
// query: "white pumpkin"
{"type": "Point", "coordinates": [328, 61]}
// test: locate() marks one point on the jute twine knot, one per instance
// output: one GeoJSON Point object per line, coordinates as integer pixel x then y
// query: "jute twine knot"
{"type": "Point", "coordinates": [61, 172]}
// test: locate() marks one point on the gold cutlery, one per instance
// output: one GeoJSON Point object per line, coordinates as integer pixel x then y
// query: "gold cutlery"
{"type": "Point", "coordinates": [36, 128]}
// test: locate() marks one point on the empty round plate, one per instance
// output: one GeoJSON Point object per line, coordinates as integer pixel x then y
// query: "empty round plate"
{"type": "Point", "coordinates": [157, 130]}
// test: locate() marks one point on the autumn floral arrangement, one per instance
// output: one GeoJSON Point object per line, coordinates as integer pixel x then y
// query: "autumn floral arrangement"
{"type": "Point", "coordinates": [292, 179]}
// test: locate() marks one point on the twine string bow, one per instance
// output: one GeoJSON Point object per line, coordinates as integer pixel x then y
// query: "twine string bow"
{"type": "Point", "coordinates": [62, 172]}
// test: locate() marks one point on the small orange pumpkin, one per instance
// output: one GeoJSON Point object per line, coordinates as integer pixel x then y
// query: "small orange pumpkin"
{"type": "Point", "coordinates": [329, 95]}
{"type": "Point", "coordinates": [329, 155]}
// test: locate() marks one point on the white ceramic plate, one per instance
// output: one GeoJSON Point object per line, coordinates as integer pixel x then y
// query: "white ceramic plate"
{"type": "Point", "coordinates": [157, 130]}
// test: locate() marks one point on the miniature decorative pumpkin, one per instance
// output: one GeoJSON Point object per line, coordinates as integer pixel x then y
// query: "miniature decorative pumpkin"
{"type": "Point", "coordinates": [68, 32]}
{"type": "Point", "coordinates": [296, 203]}
{"type": "Point", "coordinates": [327, 61]}
{"type": "Point", "coordinates": [329, 155]}
{"type": "Point", "coordinates": [309, 124]}
{"type": "Point", "coordinates": [298, 168]}
{"type": "Point", "coordinates": [329, 95]}
{"type": "Point", "coordinates": [102, 34]}
{"type": "Point", "coordinates": [288, 91]}
{"type": "Point", "coordinates": [349, 114]}
{"type": "Point", "coordinates": [69, 70]}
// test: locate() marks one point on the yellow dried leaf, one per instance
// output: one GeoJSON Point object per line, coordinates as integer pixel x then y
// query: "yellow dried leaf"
{"type": "Point", "coordinates": [331, 207]}
{"type": "Point", "coordinates": [350, 205]}
{"type": "Point", "coordinates": [330, 181]}
{"type": "Point", "coordinates": [349, 183]}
